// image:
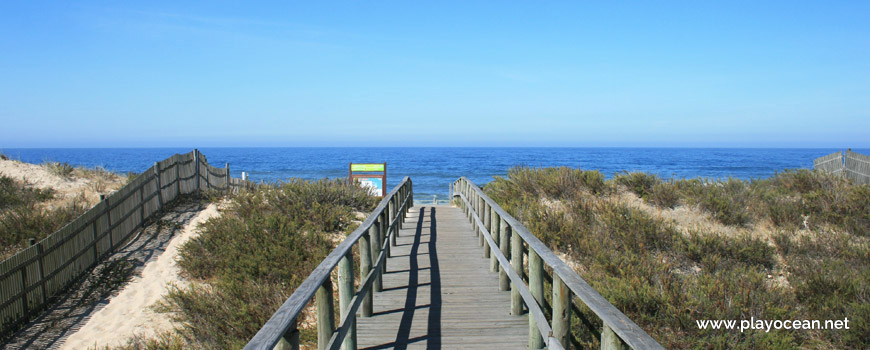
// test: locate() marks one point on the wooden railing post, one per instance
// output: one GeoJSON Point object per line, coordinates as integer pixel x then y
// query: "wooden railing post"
{"type": "Point", "coordinates": [536, 284]}
{"type": "Point", "coordinates": [484, 217]}
{"type": "Point", "coordinates": [365, 267]}
{"type": "Point", "coordinates": [517, 265]}
{"type": "Point", "coordinates": [345, 294]}
{"type": "Point", "coordinates": [325, 314]}
{"type": "Point", "coordinates": [383, 231]}
{"type": "Point", "coordinates": [504, 282]}
{"type": "Point", "coordinates": [391, 215]}
{"type": "Point", "coordinates": [494, 230]}
{"type": "Point", "coordinates": [610, 341]}
{"type": "Point", "coordinates": [290, 339]}
{"type": "Point", "coordinates": [561, 311]}
{"type": "Point", "coordinates": [377, 241]}
{"type": "Point", "coordinates": [398, 213]}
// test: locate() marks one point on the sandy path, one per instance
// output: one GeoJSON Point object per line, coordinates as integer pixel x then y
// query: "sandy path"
{"type": "Point", "coordinates": [129, 312]}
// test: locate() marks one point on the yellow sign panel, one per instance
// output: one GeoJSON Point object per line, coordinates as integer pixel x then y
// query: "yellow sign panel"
{"type": "Point", "coordinates": [366, 167]}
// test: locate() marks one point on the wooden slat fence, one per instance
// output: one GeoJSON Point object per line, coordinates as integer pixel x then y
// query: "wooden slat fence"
{"type": "Point", "coordinates": [832, 163]}
{"type": "Point", "coordinates": [858, 167]}
{"type": "Point", "coordinates": [510, 246]}
{"type": "Point", "coordinates": [30, 278]}
{"type": "Point", "coordinates": [853, 165]}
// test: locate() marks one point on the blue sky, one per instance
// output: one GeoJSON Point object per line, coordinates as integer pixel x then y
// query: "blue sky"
{"type": "Point", "coordinates": [311, 73]}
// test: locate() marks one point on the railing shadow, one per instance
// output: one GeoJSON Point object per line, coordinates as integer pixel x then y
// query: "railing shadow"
{"type": "Point", "coordinates": [434, 322]}
{"type": "Point", "coordinates": [433, 335]}
{"type": "Point", "coordinates": [404, 331]}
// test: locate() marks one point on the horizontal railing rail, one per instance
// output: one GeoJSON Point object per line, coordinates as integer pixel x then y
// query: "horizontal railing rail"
{"type": "Point", "coordinates": [487, 216]}
{"type": "Point", "coordinates": [375, 236]}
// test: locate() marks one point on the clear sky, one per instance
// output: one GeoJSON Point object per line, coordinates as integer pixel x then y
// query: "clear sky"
{"type": "Point", "coordinates": [438, 73]}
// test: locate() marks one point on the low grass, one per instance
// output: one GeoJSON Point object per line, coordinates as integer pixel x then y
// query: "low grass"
{"type": "Point", "coordinates": [25, 215]}
{"type": "Point", "coordinates": [795, 247]}
{"type": "Point", "coordinates": [248, 261]}
{"type": "Point", "coordinates": [64, 169]}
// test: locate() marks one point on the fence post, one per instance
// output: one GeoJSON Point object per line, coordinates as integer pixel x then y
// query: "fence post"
{"type": "Point", "coordinates": [561, 310]}
{"type": "Point", "coordinates": [177, 177]}
{"type": "Point", "coordinates": [142, 204]}
{"type": "Point", "coordinates": [517, 265]}
{"type": "Point", "coordinates": [494, 231]}
{"type": "Point", "coordinates": [159, 186]}
{"type": "Point", "coordinates": [345, 293]}
{"type": "Point", "coordinates": [505, 247]}
{"type": "Point", "coordinates": [196, 162]}
{"type": "Point", "coordinates": [383, 221]}
{"type": "Point", "coordinates": [228, 179]}
{"type": "Point", "coordinates": [377, 242]}
{"type": "Point", "coordinates": [108, 221]}
{"type": "Point", "coordinates": [536, 284]}
{"type": "Point", "coordinates": [392, 230]}
{"type": "Point", "coordinates": [365, 267]}
{"type": "Point", "coordinates": [94, 240]}
{"type": "Point", "coordinates": [40, 264]}
{"type": "Point", "coordinates": [325, 314]}
{"type": "Point", "coordinates": [290, 339]}
{"type": "Point", "coordinates": [610, 341]}
{"type": "Point", "coordinates": [24, 307]}
{"type": "Point", "coordinates": [484, 217]}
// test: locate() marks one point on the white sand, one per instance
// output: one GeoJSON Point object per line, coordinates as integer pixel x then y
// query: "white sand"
{"type": "Point", "coordinates": [39, 176]}
{"type": "Point", "coordinates": [129, 312]}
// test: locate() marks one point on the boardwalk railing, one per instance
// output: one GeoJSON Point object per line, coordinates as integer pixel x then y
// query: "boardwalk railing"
{"type": "Point", "coordinates": [506, 241]}
{"type": "Point", "coordinates": [375, 236]}
{"type": "Point", "coordinates": [30, 278]}
{"type": "Point", "coordinates": [853, 165]}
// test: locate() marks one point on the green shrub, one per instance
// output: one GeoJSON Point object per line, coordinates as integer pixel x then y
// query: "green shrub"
{"type": "Point", "coordinates": [246, 262]}
{"type": "Point", "coordinates": [727, 251]}
{"type": "Point", "coordinates": [555, 183]}
{"type": "Point", "coordinates": [23, 214]}
{"type": "Point", "coordinates": [664, 195]}
{"type": "Point", "coordinates": [727, 201]}
{"type": "Point", "coordinates": [665, 279]}
{"type": "Point", "coordinates": [639, 183]}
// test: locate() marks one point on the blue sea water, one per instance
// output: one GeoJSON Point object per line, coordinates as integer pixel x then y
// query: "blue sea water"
{"type": "Point", "coordinates": [432, 169]}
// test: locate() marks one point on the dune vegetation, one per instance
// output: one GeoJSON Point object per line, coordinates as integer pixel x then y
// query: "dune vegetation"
{"type": "Point", "coordinates": [251, 258]}
{"type": "Point", "coordinates": [36, 209]}
{"type": "Point", "coordinates": [671, 252]}
{"type": "Point", "coordinates": [25, 214]}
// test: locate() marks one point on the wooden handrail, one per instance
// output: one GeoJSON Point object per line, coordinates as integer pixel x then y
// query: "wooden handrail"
{"type": "Point", "coordinates": [281, 326]}
{"type": "Point", "coordinates": [534, 309]}
{"type": "Point", "coordinates": [615, 322]}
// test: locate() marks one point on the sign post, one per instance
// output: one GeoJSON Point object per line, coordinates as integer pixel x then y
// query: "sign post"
{"type": "Point", "coordinates": [372, 176]}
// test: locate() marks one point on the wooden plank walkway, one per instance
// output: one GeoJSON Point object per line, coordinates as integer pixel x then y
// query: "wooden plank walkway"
{"type": "Point", "coordinates": [439, 292]}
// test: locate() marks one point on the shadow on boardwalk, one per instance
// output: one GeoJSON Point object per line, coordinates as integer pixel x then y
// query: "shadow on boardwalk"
{"type": "Point", "coordinates": [438, 291]}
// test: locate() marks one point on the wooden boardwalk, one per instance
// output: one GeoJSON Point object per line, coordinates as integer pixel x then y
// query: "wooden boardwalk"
{"type": "Point", "coordinates": [438, 291]}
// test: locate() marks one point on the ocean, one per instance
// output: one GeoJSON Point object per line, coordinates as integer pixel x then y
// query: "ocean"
{"type": "Point", "coordinates": [433, 169]}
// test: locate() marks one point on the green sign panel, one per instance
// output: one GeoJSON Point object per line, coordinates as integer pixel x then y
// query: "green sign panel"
{"type": "Point", "coordinates": [366, 167]}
